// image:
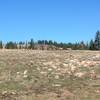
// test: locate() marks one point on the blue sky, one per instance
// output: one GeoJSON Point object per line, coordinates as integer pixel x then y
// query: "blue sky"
{"type": "Point", "coordinates": [59, 20]}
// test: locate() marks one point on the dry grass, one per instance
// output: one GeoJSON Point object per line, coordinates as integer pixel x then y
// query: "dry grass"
{"type": "Point", "coordinates": [49, 75]}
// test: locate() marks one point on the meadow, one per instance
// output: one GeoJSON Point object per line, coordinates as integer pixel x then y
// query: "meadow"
{"type": "Point", "coordinates": [49, 75]}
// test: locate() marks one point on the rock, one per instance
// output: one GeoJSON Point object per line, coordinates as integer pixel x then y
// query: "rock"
{"type": "Point", "coordinates": [25, 72]}
{"type": "Point", "coordinates": [80, 74]}
{"type": "Point", "coordinates": [25, 76]}
{"type": "Point", "coordinates": [4, 92]}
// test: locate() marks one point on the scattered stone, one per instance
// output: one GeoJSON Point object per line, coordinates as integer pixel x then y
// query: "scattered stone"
{"type": "Point", "coordinates": [80, 74]}
{"type": "Point", "coordinates": [25, 72]}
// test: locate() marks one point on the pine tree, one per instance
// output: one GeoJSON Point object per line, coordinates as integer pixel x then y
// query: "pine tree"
{"type": "Point", "coordinates": [1, 45]}
{"type": "Point", "coordinates": [11, 45]}
{"type": "Point", "coordinates": [92, 45]}
{"type": "Point", "coordinates": [46, 42]}
{"type": "Point", "coordinates": [32, 44]}
{"type": "Point", "coordinates": [50, 42]}
{"type": "Point", "coordinates": [97, 40]}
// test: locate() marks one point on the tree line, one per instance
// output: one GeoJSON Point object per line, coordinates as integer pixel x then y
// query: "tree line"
{"type": "Point", "coordinates": [94, 44]}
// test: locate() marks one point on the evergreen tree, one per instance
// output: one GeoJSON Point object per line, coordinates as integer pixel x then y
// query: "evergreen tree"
{"type": "Point", "coordinates": [43, 42]}
{"type": "Point", "coordinates": [97, 40]}
{"type": "Point", "coordinates": [11, 45]}
{"type": "Point", "coordinates": [46, 42]}
{"type": "Point", "coordinates": [92, 45]}
{"type": "Point", "coordinates": [39, 42]}
{"type": "Point", "coordinates": [31, 44]}
{"type": "Point", "coordinates": [1, 45]}
{"type": "Point", "coordinates": [50, 42]}
{"type": "Point", "coordinates": [55, 43]}
{"type": "Point", "coordinates": [69, 45]}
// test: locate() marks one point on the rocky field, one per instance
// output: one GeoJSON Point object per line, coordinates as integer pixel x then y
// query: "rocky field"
{"type": "Point", "coordinates": [49, 75]}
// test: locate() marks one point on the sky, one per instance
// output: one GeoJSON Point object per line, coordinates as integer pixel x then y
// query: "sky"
{"type": "Point", "coordinates": [59, 20]}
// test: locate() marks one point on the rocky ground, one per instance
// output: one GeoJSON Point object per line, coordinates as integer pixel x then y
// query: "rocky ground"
{"type": "Point", "coordinates": [49, 75]}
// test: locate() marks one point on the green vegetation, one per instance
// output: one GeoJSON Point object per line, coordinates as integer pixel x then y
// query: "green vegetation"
{"type": "Point", "coordinates": [53, 45]}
